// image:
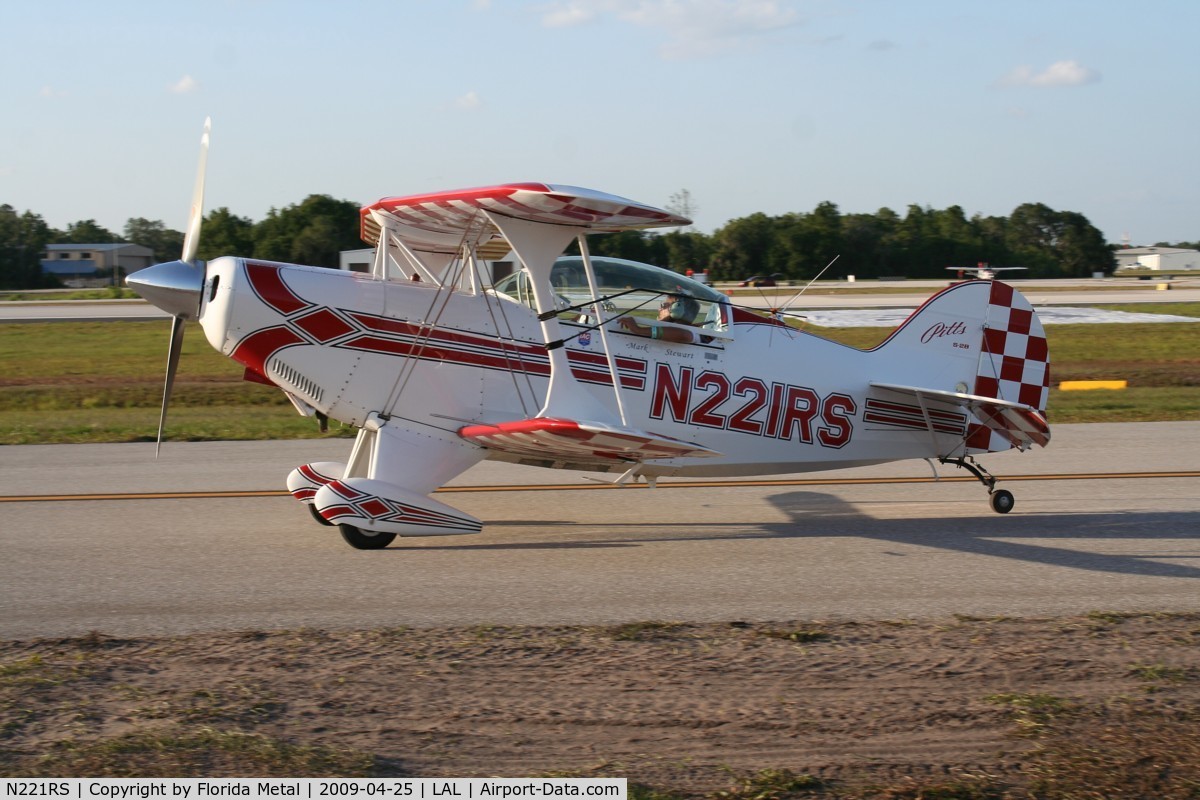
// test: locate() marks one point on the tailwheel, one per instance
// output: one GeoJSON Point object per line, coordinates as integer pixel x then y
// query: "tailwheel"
{"type": "Point", "coordinates": [365, 540]}
{"type": "Point", "coordinates": [1002, 501]}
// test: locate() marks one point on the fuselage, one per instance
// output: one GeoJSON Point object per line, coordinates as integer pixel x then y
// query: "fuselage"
{"type": "Point", "coordinates": [769, 398]}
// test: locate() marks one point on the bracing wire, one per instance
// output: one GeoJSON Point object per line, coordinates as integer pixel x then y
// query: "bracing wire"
{"type": "Point", "coordinates": [437, 307]}
{"type": "Point", "coordinates": [509, 353]}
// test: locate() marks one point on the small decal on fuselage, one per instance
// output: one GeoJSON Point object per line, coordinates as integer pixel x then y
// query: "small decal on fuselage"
{"type": "Point", "coordinates": [939, 330]}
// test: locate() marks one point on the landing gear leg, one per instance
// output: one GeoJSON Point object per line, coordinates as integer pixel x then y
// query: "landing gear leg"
{"type": "Point", "coordinates": [1001, 500]}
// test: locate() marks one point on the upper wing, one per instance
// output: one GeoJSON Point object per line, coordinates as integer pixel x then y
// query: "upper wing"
{"type": "Point", "coordinates": [558, 439]}
{"type": "Point", "coordinates": [440, 221]}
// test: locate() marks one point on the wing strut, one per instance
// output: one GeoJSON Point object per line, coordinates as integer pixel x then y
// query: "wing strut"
{"type": "Point", "coordinates": [598, 310]}
{"type": "Point", "coordinates": [537, 245]}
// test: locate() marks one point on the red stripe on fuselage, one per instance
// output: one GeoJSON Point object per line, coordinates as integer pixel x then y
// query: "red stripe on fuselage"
{"type": "Point", "coordinates": [431, 352]}
{"type": "Point", "coordinates": [256, 349]}
{"type": "Point", "coordinates": [405, 328]}
{"type": "Point", "coordinates": [269, 286]}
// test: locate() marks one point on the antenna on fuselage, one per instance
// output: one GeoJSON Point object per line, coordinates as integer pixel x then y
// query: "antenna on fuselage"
{"type": "Point", "coordinates": [787, 307]}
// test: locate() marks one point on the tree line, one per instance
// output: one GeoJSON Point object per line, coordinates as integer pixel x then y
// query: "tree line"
{"type": "Point", "coordinates": [311, 232]}
{"type": "Point", "coordinates": [921, 244]}
{"type": "Point", "coordinates": [792, 246]}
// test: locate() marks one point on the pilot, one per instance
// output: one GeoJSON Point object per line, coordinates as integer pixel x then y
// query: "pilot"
{"type": "Point", "coordinates": [675, 308]}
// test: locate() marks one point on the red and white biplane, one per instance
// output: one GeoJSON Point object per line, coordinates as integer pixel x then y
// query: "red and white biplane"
{"type": "Point", "coordinates": [557, 365]}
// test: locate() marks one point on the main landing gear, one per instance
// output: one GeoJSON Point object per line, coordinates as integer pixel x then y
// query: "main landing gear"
{"type": "Point", "coordinates": [1001, 500]}
{"type": "Point", "coordinates": [356, 537]}
{"type": "Point", "coordinates": [365, 540]}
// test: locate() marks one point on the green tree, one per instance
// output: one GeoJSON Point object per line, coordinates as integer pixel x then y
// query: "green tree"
{"type": "Point", "coordinates": [1051, 243]}
{"type": "Point", "coordinates": [743, 248]}
{"type": "Point", "coordinates": [88, 231]}
{"type": "Point", "coordinates": [167, 244]}
{"type": "Point", "coordinates": [808, 242]}
{"type": "Point", "coordinates": [312, 232]}
{"type": "Point", "coordinates": [633, 245]}
{"type": "Point", "coordinates": [1081, 247]}
{"type": "Point", "coordinates": [914, 238]}
{"type": "Point", "coordinates": [317, 243]}
{"type": "Point", "coordinates": [957, 242]}
{"type": "Point", "coordinates": [23, 239]}
{"type": "Point", "coordinates": [688, 250]}
{"type": "Point", "coordinates": [223, 233]}
{"type": "Point", "coordinates": [866, 244]}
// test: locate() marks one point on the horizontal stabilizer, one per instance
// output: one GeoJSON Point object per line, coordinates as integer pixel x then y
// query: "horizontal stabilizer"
{"type": "Point", "coordinates": [580, 442]}
{"type": "Point", "coordinates": [1019, 425]}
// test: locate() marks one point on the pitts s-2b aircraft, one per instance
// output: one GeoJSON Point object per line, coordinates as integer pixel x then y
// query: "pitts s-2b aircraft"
{"type": "Point", "coordinates": [553, 366]}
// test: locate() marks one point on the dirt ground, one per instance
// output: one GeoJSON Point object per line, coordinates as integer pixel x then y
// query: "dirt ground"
{"type": "Point", "coordinates": [685, 708]}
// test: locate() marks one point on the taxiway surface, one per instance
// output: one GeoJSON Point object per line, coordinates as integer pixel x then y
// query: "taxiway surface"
{"type": "Point", "coordinates": [1107, 518]}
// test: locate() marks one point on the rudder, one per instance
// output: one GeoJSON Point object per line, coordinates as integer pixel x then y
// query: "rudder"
{"type": "Point", "coordinates": [1014, 364]}
{"type": "Point", "coordinates": [975, 342]}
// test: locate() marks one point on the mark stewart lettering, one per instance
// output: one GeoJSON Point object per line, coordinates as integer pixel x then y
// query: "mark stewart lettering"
{"type": "Point", "coordinates": [777, 410]}
{"type": "Point", "coordinates": [941, 329]}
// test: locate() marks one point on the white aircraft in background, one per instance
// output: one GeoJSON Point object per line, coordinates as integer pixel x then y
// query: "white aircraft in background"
{"type": "Point", "coordinates": [560, 366]}
{"type": "Point", "coordinates": [981, 272]}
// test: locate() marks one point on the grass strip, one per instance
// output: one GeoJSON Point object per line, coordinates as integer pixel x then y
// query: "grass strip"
{"type": "Point", "coordinates": [75, 382]}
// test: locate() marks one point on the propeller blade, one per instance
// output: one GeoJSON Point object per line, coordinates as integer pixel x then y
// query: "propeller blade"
{"type": "Point", "coordinates": [173, 351]}
{"type": "Point", "coordinates": [191, 237]}
{"type": "Point", "coordinates": [176, 286]}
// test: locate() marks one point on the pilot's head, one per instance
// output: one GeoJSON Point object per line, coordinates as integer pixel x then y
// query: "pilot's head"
{"type": "Point", "coordinates": [679, 308]}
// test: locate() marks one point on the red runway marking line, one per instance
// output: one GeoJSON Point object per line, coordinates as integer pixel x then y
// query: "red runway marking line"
{"type": "Point", "coordinates": [574, 487]}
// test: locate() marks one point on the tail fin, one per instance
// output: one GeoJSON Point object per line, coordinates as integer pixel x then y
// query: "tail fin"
{"type": "Point", "coordinates": [975, 342]}
{"type": "Point", "coordinates": [1015, 364]}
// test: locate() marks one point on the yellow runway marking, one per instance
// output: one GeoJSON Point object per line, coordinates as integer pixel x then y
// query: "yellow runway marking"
{"type": "Point", "coordinates": [1077, 386]}
{"type": "Point", "coordinates": [575, 487]}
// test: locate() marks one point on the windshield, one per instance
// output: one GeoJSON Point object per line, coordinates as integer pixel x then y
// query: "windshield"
{"type": "Point", "coordinates": [641, 287]}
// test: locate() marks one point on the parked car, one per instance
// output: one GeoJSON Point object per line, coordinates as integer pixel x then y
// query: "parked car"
{"type": "Point", "coordinates": [762, 280]}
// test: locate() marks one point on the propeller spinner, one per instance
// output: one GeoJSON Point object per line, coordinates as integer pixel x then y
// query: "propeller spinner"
{"type": "Point", "coordinates": [176, 286]}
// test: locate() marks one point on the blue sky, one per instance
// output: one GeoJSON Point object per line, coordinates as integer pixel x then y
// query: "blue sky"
{"type": "Point", "coordinates": [757, 105]}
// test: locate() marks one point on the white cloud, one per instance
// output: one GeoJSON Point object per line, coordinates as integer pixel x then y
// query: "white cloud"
{"type": "Point", "coordinates": [1060, 73]}
{"type": "Point", "coordinates": [692, 28]}
{"type": "Point", "coordinates": [184, 85]}
{"type": "Point", "coordinates": [469, 101]}
{"type": "Point", "coordinates": [50, 91]}
{"type": "Point", "coordinates": [568, 15]}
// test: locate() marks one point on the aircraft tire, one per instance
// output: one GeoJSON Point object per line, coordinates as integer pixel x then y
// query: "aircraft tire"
{"type": "Point", "coordinates": [1002, 501]}
{"type": "Point", "coordinates": [365, 540]}
{"type": "Point", "coordinates": [317, 514]}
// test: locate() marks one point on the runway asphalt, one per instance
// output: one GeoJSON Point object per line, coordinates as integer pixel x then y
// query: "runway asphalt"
{"type": "Point", "coordinates": [1080, 539]}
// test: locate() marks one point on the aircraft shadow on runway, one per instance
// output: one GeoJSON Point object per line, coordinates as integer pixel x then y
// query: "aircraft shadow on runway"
{"type": "Point", "coordinates": [818, 515]}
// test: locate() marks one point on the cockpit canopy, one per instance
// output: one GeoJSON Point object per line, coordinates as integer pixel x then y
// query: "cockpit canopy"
{"type": "Point", "coordinates": [624, 287]}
